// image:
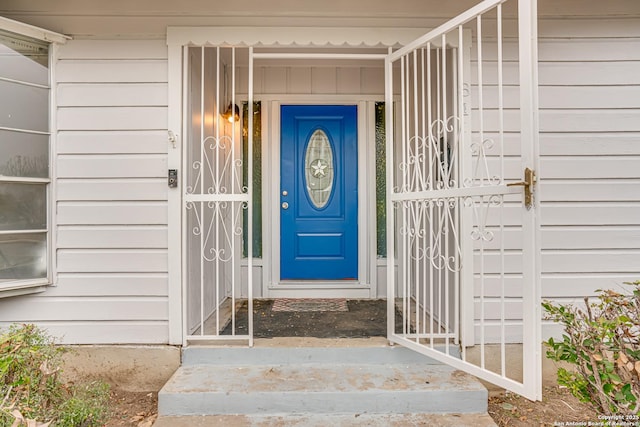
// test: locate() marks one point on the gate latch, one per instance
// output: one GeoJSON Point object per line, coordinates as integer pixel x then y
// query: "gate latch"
{"type": "Point", "coordinates": [172, 178]}
{"type": "Point", "coordinates": [529, 180]}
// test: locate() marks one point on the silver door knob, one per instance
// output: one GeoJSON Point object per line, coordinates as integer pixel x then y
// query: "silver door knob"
{"type": "Point", "coordinates": [285, 205]}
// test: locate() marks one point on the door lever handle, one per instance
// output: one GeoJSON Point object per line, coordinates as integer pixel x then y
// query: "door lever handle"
{"type": "Point", "coordinates": [529, 181]}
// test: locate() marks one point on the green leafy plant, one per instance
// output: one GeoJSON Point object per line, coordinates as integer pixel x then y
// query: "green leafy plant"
{"type": "Point", "coordinates": [86, 407]}
{"type": "Point", "coordinates": [31, 388]}
{"type": "Point", "coordinates": [602, 341]}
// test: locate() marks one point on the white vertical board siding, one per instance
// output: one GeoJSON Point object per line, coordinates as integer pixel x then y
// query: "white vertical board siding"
{"type": "Point", "coordinates": [111, 162]}
{"type": "Point", "coordinates": [330, 79]}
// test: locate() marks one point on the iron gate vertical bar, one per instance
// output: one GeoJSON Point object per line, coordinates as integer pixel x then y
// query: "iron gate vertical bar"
{"type": "Point", "coordinates": [186, 77]}
{"type": "Point", "coordinates": [457, 89]}
{"type": "Point", "coordinates": [416, 209]}
{"type": "Point", "coordinates": [233, 189]}
{"type": "Point", "coordinates": [218, 209]}
{"type": "Point", "coordinates": [431, 175]}
{"type": "Point", "coordinates": [481, 202]}
{"type": "Point", "coordinates": [529, 127]}
{"type": "Point", "coordinates": [250, 200]}
{"type": "Point", "coordinates": [503, 353]}
{"type": "Point", "coordinates": [467, 326]}
{"type": "Point", "coordinates": [389, 170]}
{"type": "Point", "coordinates": [404, 270]}
{"type": "Point", "coordinates": [424, 186]}
{"type": "Point", "coordinates": [201, 145]}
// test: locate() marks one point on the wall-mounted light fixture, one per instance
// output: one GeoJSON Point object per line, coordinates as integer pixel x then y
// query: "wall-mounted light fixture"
{"type": "Point", "coordinates": [232, 114]}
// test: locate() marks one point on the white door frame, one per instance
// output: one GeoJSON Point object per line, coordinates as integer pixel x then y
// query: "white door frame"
{"type": "Point", "coordinates": [365, 286]}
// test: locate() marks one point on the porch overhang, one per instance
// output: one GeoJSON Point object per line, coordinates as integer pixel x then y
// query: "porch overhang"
{"type": "Point", "coordinates": [293, 36]}
{"type": "Point", "coordinates": [32, 31]}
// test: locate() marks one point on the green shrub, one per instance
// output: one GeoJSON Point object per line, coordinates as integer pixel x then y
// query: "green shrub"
{"type": "Point", "coordinates": [602, 341]}
{"type": "Point", "coordinates": [30, 385]}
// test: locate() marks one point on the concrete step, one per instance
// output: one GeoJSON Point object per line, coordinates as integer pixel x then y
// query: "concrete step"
{"type": "Point", "coordinates": [308, 381]}
{"type": "Point", "coordinates": [326, 420]}
{"type": "Point", "coordinates": [235, 356]}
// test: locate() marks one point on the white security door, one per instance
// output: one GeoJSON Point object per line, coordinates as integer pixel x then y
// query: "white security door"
{"type": "Point", "coordinates": [463, 269]}
{"type": "Point", "coordinates": [217, 199]}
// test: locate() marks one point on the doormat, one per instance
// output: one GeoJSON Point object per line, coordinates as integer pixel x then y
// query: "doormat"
{"type": "Point", "coordinates": [306, 305]}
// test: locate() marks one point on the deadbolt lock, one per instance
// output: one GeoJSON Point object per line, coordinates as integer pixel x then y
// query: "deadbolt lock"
{"type": "Point", "coordinates": [529, 181]}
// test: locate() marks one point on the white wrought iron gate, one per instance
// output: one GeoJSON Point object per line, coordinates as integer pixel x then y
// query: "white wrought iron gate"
{"type": "Point", "coordinates": [461, 206]}
{"type": "Point", "coordinates": [216, 175]}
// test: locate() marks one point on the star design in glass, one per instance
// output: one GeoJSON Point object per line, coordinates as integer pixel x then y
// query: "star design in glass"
{"type": "Point", "coordinates": [318, 168]}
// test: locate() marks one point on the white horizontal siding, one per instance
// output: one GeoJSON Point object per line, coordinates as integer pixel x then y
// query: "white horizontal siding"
{"type": "Point", "coordinates": [112, 166]}
{"type": "Point", "coordinates": [589, 144]}
{"type": "Point", "coordinates": [568, 237]}
{"type": "Point", "coordinates": [572, 167]}
{"type": "Point", "coordinates": [111, 213]}
{"type": "Point", "coordinates": [112, 189]}
{"type": "Point", "coordinates": [566, 50]}
{"type": "Point", "coordinates": [589, 186]}
{"type": "Point", "coordinates": [559, 286]}
{"type": "Point", "coordinates": [566, 97]}
{"type": "Point", "coordinates": [596, 214]}
{"type": "Point", "coordinates": [112, 94]}
{"type": "Point", "coordinates": [112, 260]}
{"type": "Point", "coordinates": [111, 71]}
{"type": "Point", "coordinates": [114, 49]}
{"type": "Point", "coordinates": [112, 285]}
{"type": "Point", "coordinates": [106, 332]}
{"type": "Point", "coordinates": [114, 237]}
{"type": "Point", "coordinates": [112, 118]}
{"type": "Point", "coordinates": [564, 73]}
{"type": "Point", "coordinates": [591, 190]}
{"type": "Point", "coordinates": [112, 142]}
{"type": "Point", "coordinates": [566, 121]}
{"type": "Point", "coordinates": [37, 309]}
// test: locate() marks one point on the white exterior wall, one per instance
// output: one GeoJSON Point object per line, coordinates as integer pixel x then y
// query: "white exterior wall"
{"type": "Point", "coordinates": [590, 147]}
{"type": "Point", "coordinates": [111, 208]}
{"type": "Point", "coordinates": [111, 156]}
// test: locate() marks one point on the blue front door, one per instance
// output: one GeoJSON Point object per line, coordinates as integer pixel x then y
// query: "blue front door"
{"type": "Point", "coordinates": [319, 192]}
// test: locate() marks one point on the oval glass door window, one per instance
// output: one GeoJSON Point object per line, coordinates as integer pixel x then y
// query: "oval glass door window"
{"type": "Point", "coordinates": [318, 165]}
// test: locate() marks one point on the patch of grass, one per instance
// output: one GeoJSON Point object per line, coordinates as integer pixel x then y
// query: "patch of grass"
{"type": "Point", "coordinates": [30, 385]}
{"type": "Point", "coordinates": [87, 406]}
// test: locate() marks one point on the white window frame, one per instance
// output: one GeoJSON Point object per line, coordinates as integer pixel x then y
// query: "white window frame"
{"type": "Point", "coordinates": [29, 286]}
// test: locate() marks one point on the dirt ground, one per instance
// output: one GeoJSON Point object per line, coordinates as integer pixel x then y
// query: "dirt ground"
{"type": "Point", "coordinates": [558, 407]}
{"type": "Point", "coordinates": [130, 409]}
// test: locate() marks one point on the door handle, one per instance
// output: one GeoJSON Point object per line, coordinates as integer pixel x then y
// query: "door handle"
{"type": "Point", "coordinates": [529, 180]}
{"type": "Point", "coordinates": [285, 205]}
